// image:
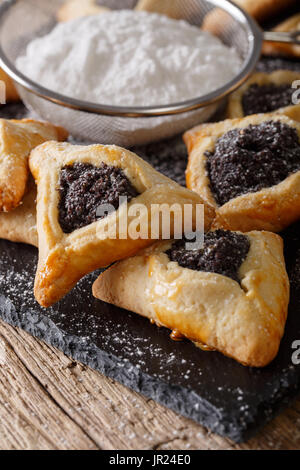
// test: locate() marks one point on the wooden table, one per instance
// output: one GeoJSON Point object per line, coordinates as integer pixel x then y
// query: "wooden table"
{"type": "Point", "coordinates": [48, 401]}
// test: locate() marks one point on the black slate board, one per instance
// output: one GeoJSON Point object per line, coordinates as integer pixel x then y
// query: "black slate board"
{"type": "Point", "coordinates": [215, 391]}
{"type": "Point", "coordinates": [231, 400]}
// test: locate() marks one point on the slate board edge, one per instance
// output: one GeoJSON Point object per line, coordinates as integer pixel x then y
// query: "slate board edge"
{"type": "Point", "coordinates": [179, 399]}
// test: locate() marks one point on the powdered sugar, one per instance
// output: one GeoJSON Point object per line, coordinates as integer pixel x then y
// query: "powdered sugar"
{"type": "Point", "coordinates": [129, 58]}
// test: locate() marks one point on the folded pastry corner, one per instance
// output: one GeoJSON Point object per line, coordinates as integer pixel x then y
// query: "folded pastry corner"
{"type": "Point", "coordinates": [232, 295]}
{"type": "Point", "coordinates": [73, 182]}
{"type": "Point", "coordinates": [248, 170]}
{"type": "Point", "coordinates": [17, 139]}
{"type": "Point", "coordinates": [265, 93]}
{"type": "Point", "coordinates": [19, 225]}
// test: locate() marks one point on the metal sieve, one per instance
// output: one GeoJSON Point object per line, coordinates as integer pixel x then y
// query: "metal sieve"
{"type": "Point", "coordinates": [23, 20]}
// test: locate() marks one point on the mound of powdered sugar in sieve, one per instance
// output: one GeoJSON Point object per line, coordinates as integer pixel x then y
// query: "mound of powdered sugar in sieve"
{"type": "Point", "coordinates": [129, 58]}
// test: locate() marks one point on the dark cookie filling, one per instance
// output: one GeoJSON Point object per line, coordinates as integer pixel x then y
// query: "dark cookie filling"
{"type": "Point", "coordinates": [271, 63]}
{"type": "Point", "coordinates": [247, 160]}
{"type": "Point", "coordinates": [266, 98]}
{"type": "Point", "coordinates": [84, 187]}
{"type": "Point", "coordinates": [223, 253]}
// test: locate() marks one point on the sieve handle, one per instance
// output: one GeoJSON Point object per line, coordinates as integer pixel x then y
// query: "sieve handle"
{"type": "Point", "coordinates": [287, 38]}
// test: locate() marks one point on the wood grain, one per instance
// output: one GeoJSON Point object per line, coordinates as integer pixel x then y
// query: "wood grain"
{"type": "Point", "coordinates": [48, 401]}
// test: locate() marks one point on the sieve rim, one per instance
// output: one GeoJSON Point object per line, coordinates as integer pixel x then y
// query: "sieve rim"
{"type": "Point", "coordinates": [255, 38]}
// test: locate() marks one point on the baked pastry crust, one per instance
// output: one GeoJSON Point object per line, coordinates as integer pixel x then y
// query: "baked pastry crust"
{"type": "Point", "coordinates": [17, 139]}
{"type": "Point", "coordinates": [73, 9]}
{"type": "Point", "coordinates": [272, 208]}
{"type": "Point", "coordinates": [217, 19]}
{"type": "Point", "coordinates": [260, 9]}
{"type": "Point", "coordinates": [291, 24]}
{"type": "Point", "coordinates": [244, 321]}
{"type": "Point", "coordinates": [10, 90]}
{"type": "Point", "coordinates": [264, 9]}
{"type": "Point", "coordinates": [19, 225]}
{"type": "Point", "coordinates": [279, 77]}
{"type": "Point", "coordinates": [65, 258]}
{"type": "Point", "coordinates": [171, 8]}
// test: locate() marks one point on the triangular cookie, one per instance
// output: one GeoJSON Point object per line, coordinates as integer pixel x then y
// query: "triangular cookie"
{"type": "Point", "coordinates": [72, 182]}
{"type": "Point", "coordinates": [17, 139]}
{"type": "Point", "coordinates": [248, 169]}
{"type": "Point", "coordinates": [242, 318]}
{"type": "Point", "coordinates": [19, 225]}
{"type": "Point", "coordinates": [264, 93]}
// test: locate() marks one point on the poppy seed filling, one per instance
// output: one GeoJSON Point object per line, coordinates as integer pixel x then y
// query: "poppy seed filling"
{"type": "Point", "coordinates": [266, 98]}
{"type": "Point", "coordinates": [248, 160]}
{"type": "Point", "coordinates": [269, 63]}
{"type": "Point", "coordinates": [223, 253]}
{"type": "Point", "coordinates": [83, 188]}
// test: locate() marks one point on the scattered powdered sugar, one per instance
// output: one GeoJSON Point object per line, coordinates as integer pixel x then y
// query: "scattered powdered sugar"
{"type": "Point", "coordinates": [13, 281]}
{"type": "Point", "coordinates": [129, 58]}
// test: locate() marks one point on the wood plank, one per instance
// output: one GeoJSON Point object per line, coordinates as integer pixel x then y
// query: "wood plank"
{"type": "Point", "coordinates": [48, 401]}
{"type": "Point", "coordinates": [30, 418]}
